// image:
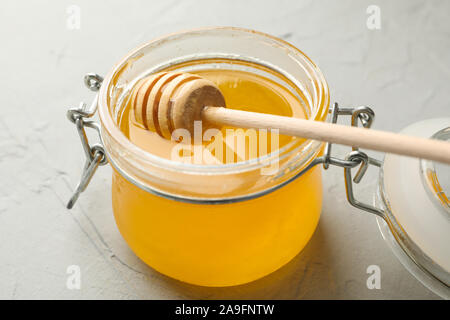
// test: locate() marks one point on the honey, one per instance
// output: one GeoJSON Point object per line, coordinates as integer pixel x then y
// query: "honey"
{"type": "Point", "coordinates": [221, 244]}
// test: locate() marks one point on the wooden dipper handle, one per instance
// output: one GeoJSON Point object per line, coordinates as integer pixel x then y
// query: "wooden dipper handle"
{"type": "Point", "coordinates": [350, 136]}
{"type": "Point", "coordinates": [167, 101]}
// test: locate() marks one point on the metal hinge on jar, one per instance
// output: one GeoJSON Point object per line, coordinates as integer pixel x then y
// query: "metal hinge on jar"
{"type": "Point", "coordinates": [356, 157]}
{"type": "Point", "coordinates": [95, 153]}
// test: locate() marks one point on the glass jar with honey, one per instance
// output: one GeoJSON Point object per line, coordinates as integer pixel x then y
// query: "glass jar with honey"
{"type": "Point", "coordinates": [226, 219]}
{"type": "Point", "coordinates": [218, 224]}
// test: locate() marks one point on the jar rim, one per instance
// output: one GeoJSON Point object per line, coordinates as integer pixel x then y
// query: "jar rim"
{"type": "Point", "coordinates": [431, 178]}
{"type": "Point", "coordinates": [309, 146]}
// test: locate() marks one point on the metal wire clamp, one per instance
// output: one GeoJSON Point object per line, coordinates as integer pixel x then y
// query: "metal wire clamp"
{"type": "Point", "coordinates": [95, 153]}
{"type": "Point", "coordinates": [356, 157]}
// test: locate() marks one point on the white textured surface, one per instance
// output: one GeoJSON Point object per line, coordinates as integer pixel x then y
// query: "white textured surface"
{"type": "Point", "coordinates": [402, 71]}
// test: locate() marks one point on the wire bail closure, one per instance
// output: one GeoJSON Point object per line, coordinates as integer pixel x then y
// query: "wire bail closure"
{"type": "Point", "coordinates": [356, 157]}
{"type": "Point", "coordinates": [96, 155]}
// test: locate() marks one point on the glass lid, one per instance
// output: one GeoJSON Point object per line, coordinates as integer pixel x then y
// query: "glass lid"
{"type": "Point", "coordinates": [415, 196]}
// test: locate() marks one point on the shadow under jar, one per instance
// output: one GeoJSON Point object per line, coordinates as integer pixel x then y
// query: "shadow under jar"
{"type": "Point", "coordinates": [216, 224]}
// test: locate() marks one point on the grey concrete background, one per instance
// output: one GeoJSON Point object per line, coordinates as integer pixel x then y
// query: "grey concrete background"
{"type": "Point", "coordinates": [401, 70]}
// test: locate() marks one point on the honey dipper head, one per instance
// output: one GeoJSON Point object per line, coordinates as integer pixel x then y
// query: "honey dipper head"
{"type": "Point", "coordinates": [167, 101]}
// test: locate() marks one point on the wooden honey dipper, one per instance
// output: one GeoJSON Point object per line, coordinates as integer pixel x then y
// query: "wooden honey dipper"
{"type": "Point", "coordinates": [167, 101]}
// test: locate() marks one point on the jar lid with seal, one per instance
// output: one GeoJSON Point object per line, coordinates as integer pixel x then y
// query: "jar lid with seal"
{"type": "Point", "coordinates": [414, 198]}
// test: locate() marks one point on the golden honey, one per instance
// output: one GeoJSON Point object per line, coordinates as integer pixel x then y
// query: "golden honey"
{"type": "Point", "coordinates": [220, 244]}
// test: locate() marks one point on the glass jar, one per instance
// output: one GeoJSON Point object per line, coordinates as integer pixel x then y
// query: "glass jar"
{"type": "Point", "coordinates": [215, 225]}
